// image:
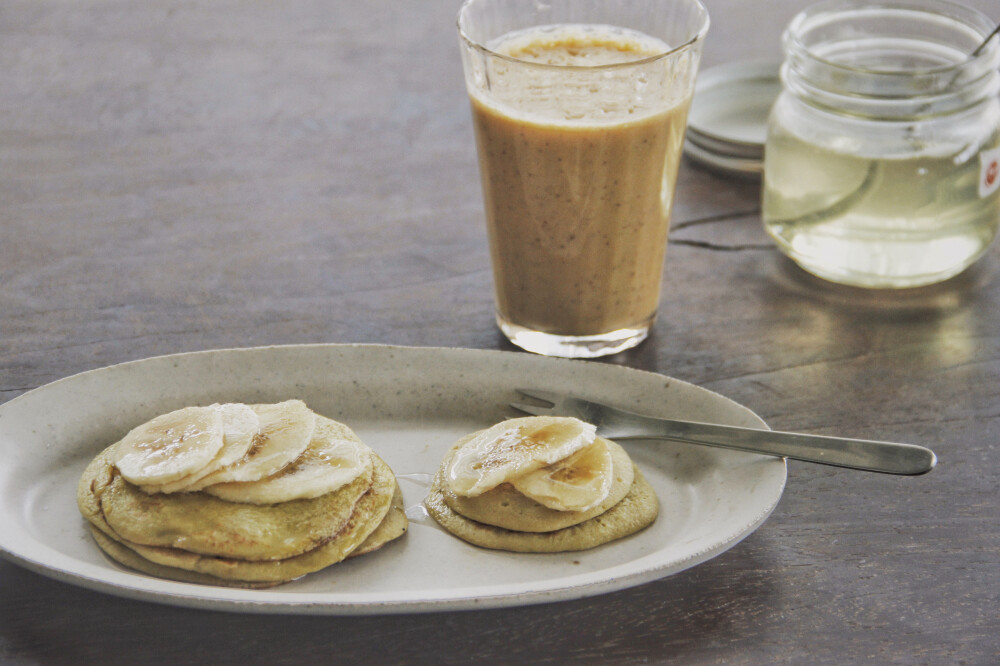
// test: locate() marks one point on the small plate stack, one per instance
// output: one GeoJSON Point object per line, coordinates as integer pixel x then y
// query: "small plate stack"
{"type": "Point", "coordinates": [727, 124]}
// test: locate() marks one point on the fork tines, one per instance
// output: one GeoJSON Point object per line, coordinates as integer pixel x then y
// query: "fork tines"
{"type": "Point", "coordinates": [550, 397]}
{"type": "Point", "coordinates": [547, 397]}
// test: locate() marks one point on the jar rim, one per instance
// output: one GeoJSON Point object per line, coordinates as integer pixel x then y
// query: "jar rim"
{"type": "Point", "coordinates": [891, 59]}
{"type": "Point", "coordinates": [978, 26]}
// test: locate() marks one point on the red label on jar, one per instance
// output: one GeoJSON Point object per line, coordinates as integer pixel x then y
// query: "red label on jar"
{"type": "Point", "coordinates": [989, 172]}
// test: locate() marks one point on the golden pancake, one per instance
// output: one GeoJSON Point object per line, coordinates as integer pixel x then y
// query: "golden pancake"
{"type": "Point", "coordinates": [124, 555]}
{"type": "Point", "coordinates": [636, 511]}
{"type": "Point", "coordinates": [97, 476]}
{"type": "Point", "coordinates": [393, 526]}
{"type": "Point", "coordinates": [505, 507]}
{"type": "Point", "coordinates": [371, 510]}
{"type": "Point", "coordinates": [340, 500]}
{"type": "Point", "coordinates": [200, 523]}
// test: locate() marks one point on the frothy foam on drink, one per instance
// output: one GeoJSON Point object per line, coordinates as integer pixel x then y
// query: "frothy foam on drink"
{"type": "Point", "coordinates": [577, 81]}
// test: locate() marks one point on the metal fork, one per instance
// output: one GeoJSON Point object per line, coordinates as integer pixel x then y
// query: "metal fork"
{"type": "Point", "coordinates": [618, 424]}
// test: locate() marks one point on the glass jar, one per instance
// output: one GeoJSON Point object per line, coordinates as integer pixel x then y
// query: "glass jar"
{"type": "Point", "coordinates": [882, 160]}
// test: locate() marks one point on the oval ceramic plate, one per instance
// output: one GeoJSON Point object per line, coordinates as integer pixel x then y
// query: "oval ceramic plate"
{"type": "Point", "coordinates": [409, 404]}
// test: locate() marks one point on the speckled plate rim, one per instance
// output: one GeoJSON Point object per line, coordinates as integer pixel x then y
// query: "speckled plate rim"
{"type": "Point", "coordinates": [409, 403]}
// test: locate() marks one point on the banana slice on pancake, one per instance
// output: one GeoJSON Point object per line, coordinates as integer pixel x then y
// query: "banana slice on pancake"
{"type": "Point", "coordinates": [513, 448]}
{"type": "Point", "coordinates": [286, 428]}
{"type": "Point", "coordinates": [240, 426]}
{"type": "Point", "coordinates": [171, 446]}
{"type": "Point", "coordinates": [576, 483]}
{"type": "Point", "coordinates": [330, 462]}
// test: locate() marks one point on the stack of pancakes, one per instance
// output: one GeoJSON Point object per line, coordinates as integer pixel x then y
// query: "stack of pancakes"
{"type": "Point", "coordinates": [540, 484]}
{"type": "Point", "coordinates": [240, 495]}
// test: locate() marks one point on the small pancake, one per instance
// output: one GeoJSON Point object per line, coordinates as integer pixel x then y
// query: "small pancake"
{"type": "Point", "coordinates": [200, 523]}
{"type": "Point", "coordinates": [636, 511]}
{"type": "Point", "coordinates": [505, 507]}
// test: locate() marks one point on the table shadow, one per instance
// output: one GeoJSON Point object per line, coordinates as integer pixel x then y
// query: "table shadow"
{"type": "Point", "coordinates": [695, 611]}
{"type": "Point", "coordinates": [918, 303]}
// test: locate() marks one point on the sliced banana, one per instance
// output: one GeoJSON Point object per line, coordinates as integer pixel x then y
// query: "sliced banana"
{"type": "Point", "coordinates": [171, 446]}
{"type": "Point", "coordinates": [576, 483]}
{"type": "Point", "coordinates": [513, 448]}
{"type": "Point", "coordinates": [286, 428]}
{"type": "Point", "coordinates": [329, 463]}
{"type": "Point", "coordinates": [240, 426]}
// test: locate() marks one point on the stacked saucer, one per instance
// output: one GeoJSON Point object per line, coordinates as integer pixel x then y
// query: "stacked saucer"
{"type": "Point", "coordinates": [727, 124]}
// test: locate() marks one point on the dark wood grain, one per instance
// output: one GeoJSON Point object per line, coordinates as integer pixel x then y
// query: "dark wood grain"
{"type": "Point", "coordinates": [180, 176]}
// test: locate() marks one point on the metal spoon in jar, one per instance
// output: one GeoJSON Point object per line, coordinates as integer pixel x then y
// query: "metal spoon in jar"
{"type": "Point", "coordinates": [986, 41]}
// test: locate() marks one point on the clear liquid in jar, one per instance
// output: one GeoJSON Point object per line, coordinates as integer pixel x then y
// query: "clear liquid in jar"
{"type": "Point", "coordinates": [878, 222]}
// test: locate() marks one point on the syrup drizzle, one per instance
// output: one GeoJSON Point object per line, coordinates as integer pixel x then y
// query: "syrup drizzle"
{"type": "Point", "coordinates": [417, 514]}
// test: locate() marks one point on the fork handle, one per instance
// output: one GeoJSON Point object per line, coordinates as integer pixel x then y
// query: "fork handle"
{"type": "Point", "coordinates": [870, 455]}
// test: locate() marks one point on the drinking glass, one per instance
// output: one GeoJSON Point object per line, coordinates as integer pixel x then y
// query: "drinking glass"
{"type": "Point", "coordinates": [579, 109]}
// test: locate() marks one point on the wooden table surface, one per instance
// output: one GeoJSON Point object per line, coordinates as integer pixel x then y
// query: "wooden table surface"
{"type": "Point", "coordinates": [179, 176]}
